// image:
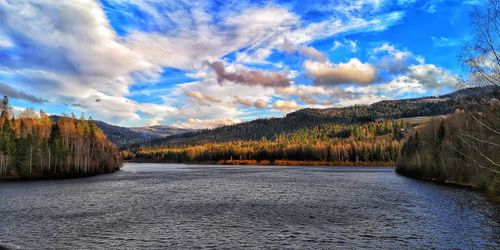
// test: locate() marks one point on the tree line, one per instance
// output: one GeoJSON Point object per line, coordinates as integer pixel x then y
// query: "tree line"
{"type": "Point", "coordinates": [32, 145]}
{"type": "Point", "coordinates": [375, 142]}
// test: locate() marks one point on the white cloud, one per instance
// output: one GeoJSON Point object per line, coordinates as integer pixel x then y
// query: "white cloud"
{"type": "Point", "coordinates": [352, 45]}
{"type": "Point", "coordinates": [231, 96]}
{"type": "Point", "coordinates": [336, 45]}
{"type": "Point", "coordinates": [432, 77]}
{"type": "Point", "coordinates": [328, 28]}
{"type": "Point", "coordinates": [201, 98]}
{"type": "Point", "coordinates": [76, 57]}
{"type": "Point", "coordinates": [57, 67]}
{"type": "Point", "coordinates": [191, 46]}
{"type": "Point", "coordinates": [259, 103]}
{"type": "Point", "coordinates": [257, 56]}
{"type": "Point", "coordinates": [444, 42]}
{"type": "Point", "coordinates": [348, 44]}
{"type": "Point", "coordinates": [361, 100]}
{"type": "Point", "coordinates": [152, 122]}
{"type": "Point", "coordinates": [286, 105]}
{"type": "Point", "coordinates": [390, 59]}
{"type": "Point", "coordinates": [353, 71]}
{"type": "Point", "coordinates": [5, 42]}
{"type": "Point", "coordinates": [312, 53]}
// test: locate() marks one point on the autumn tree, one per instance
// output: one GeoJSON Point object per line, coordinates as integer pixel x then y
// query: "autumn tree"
{"type": "Point", "coordinates": [32, 145]}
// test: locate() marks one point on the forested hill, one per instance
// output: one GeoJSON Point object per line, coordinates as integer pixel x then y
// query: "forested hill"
{"type": "Point", "coordinates": [404, 108]}
{"type": "Point", "coordinates": [309, 118]}
{"type": "Point", "coordinates": [122, 136]}
{"type": "Point", "coordinates": [34, 146]}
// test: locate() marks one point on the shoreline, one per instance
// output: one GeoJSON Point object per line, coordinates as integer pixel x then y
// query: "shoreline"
{"type": "Point", "coordinates": [273, 163]}
{"type": "Point", "coordinates": [469, 186]}
{"type": "Point", "coordinates": [56, 177]}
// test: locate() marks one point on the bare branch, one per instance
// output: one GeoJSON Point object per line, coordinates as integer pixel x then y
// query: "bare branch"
{"type": "Point", "coordinates": [479, 151]}
{"type": "Point", "coordinates": [480, 140]}
{"type": "Point", "coordinates": [489, 128]}
{"type": "Point", "coordinates": [477, 163]}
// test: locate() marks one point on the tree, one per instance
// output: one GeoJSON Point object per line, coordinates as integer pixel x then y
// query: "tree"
{"type": "Point", "coordinates": [4, 105]}
{"type": "Point", "coordinates": [479, 133]}
{"type": "Point", "coordinates": [481, 55]}
{"type": "Point", "coordinates": [441, 132]}
{"type": "Point", "coordinates": [32, 145]}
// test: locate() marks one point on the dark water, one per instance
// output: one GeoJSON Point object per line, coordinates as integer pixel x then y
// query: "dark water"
{"type": "Point", "coordinates": [180, 206]}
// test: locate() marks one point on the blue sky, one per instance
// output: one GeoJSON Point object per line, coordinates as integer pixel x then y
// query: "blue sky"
{"type": "Point", "coordinates": [198, 64]}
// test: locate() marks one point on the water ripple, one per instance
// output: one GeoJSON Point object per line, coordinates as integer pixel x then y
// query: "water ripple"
{"type": "Point", "coordinates": [190, 206]}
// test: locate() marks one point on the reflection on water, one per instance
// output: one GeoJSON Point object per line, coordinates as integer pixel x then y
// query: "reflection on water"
{"type": "Point", "coordinates": [187, 206]}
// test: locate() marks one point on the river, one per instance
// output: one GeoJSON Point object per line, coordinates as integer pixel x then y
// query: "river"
{"type": "Point", "coordinates": [200, 206]}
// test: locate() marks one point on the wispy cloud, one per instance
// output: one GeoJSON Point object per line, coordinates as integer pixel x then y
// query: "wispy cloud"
{"type": "Point", "coordinates": [202, 98]}
{"type": "Point", "coordinates": [259, 103]}
{"type": "Point", "coordinates": [444, 42]}
{"type": "Point", "coordinates": [312, 53]}
{"type": "Point", "coordinates": [6, 90]}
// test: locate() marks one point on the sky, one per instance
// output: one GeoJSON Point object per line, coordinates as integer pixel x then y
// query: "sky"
{"type": "Point", "coordinates": [202, 64]}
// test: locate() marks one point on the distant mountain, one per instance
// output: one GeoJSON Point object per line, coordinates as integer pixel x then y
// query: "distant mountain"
{"type": "Point", "coordinates": [159, 131]}
{"type": "Point", "coordinates": [122, 136]}
{"type": "Point", "coordinates": [308, 118]}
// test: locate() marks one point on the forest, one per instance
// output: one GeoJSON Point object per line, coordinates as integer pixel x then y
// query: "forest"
{"type": "Point", "coordinates": [32, 145]}
{"type": "Point", "coordinates": [462, 149]}
{"type": "Point", "coordinates": [373, 143]}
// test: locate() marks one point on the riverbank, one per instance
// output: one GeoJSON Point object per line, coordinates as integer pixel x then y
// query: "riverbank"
{"type": "Point", "coordinates": [276, 163]}
{"type": "Point", "coordinates": [461, 149]}
{"type": "Point", "coordinates": [38, 176]}
{"type": "Point", "coordinates": [489, 194]}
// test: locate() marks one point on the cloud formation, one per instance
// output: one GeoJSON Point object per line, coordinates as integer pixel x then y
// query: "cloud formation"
{"type": "Point", "coordinates": [350, 45]}
{"type": "Point", "coordinates": [133, 49]}
{"type": "Point", "coordinates": [432, 77]}
{"type": "Point", "coordinates": [312, 53]}
{"type": "Point", "coordinates": [353, 71]}
{"type": "Point", "coordinates": [286, 105]}
{"type": "Point", "coordinates": [392, 60]}
{"type": "Point", "coordinates": [249, 77]}
{"type": "Point", "coordinates": [6, 90]}
{"type": "Point", "coordinates": [259, 103]}
{"type": "Point", "coordinates": [202, 98]}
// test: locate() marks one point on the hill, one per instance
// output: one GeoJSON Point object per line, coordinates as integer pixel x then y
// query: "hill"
{"type": "Point", "coordinates": [308, 118]}
{"type": "Point", "coordinates": [159, 131]}
{"type": "Point", "coordinates": [461, 149]}
{"type": "Point", "coordinates": [122, 136]}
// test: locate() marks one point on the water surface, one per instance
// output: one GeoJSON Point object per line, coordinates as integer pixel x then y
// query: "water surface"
{"type": "Point", "coordinates": [191, 206]}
